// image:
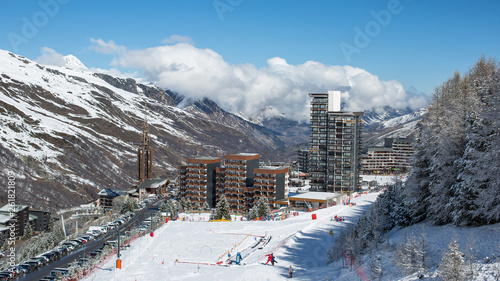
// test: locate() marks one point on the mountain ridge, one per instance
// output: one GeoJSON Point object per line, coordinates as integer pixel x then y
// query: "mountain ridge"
{"type": "Point", "coordinates": [74, 132]}
{"type": "Point", "coordinates": [67, 133]}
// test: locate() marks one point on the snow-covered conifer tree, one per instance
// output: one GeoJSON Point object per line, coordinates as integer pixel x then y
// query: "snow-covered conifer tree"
{"type": "Point", "coordinates": [452, 263]}
{"type": "Point", "coordinates": [222, 209]}
{"type": "Point", "coordinates": [416, 191]}
{"type": "Point", "coordinates": [172, 209]}
{"type": "Point", "coordinates": [205, 207]}
{"type": "Point", "coordinates": [252, 214]}
{"type": "Point", "coordinates": [263, 207]}
{"type": "Point", "coordinates": [28, 232]}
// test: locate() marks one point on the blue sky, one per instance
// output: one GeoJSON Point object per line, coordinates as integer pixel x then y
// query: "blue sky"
{"type": "Point", "coordinates": [420, 45]}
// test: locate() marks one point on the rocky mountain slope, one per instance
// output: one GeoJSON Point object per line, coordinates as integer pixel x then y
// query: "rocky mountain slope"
{"type": "Point", "coordinates": [389, 124]}
{"type": "Point", "coordinates": [66, 133]}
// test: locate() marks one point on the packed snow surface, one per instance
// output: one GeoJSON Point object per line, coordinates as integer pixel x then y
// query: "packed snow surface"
{"type": "Point", "coordinates": [189, 250]}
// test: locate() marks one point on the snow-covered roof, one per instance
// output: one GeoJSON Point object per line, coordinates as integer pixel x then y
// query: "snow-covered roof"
{"type": "Point", "coordinates": [247, 154]}
{"type": "Point", "coordinates": [153, 183]}
{"type": "Point", "coordinates": [272, 167]}
{"type": "Point", "coordinates": [15, 208]}
{"type": "Point", "coordinates": [4, 218]}
{"type": "Point", "coordinates": [111, 192]}
{"type": "Point", "coordinates": [315, 196]}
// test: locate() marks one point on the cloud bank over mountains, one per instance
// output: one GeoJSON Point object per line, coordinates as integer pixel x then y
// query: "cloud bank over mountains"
{"type": "Point", "coordinates": [197, 73]}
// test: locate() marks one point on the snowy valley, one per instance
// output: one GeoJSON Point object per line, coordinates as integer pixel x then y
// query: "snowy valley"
{"type": "Point", "coordinates": [194, 249]}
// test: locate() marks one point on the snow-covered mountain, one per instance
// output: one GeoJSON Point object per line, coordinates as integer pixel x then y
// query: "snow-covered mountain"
{"type": "Point", "coordinates": [73, 62]}
{"type": "Point", "coordinates": [390, 123]}
{"type": "Point", "coordinates": [66, 132]}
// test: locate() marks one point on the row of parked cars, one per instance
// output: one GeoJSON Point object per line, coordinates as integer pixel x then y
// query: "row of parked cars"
{"type": "Point", "coordinates": [65, 248]}
{"type": "Point", "coordinates": [45, 258]}
{"type": "Point", "coordinates": [92, 231]}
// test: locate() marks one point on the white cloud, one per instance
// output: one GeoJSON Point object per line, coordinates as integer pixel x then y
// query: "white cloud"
{"type": "Point", "coordinates": [198, 73]}
{"type": "Point", "coordinates": [109, 47]}
{"type": "Point", "coordinates": [51, 57]}
{"type": "Point", "coordinates": [173, 39]}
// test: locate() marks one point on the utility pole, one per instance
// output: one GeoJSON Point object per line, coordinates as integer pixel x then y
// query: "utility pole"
{"type": "Point", "coordinates": [151, 225]}
{"type": "Point", "coordinates": [64, 228]}
{"type": "Point", "coordinates": [118, 255]}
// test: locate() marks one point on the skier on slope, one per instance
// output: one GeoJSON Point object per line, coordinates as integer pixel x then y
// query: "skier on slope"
{"type": "Point", "coordinates": [270, 258]}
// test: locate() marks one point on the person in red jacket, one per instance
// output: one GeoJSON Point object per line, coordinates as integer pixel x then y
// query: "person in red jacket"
{"type": "Point", "coordinates": [270, 258]}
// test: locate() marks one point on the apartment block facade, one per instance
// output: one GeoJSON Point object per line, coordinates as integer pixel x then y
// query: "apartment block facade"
{"type": "Point", "coordinates": [334, 147]}
{"type": "Point", "coordinates": [271, 182]}
{"type": "Point", "coordinates": [200, 180]}
{"type": "Point", "coordinates": [303, 161]}
{"type": "Point", "coordinates": [220, 183]}
{"type": "Point", "coordinates": [393, 158]}
{"type": "Point", "coordinates": [239, 179]}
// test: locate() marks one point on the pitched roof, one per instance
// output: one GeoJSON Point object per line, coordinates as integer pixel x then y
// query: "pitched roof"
{"type": "Point", "coordinates": [152, 183]}
{"type": "Point", "coordinates": [4, 218]}
{"type": "Point", "coordinates": [13, 208]}
{"type": "Point", "coordinates": [111, 192]}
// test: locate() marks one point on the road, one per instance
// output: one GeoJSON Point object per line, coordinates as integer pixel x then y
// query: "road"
{"type": "Point", "coordinates": [89, 247]}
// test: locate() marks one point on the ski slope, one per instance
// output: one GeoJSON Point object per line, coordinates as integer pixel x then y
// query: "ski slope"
{"type": "Point", "coordinates": [191, 249]}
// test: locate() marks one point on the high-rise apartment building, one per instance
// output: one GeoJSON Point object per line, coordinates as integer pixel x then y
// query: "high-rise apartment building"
{"type": "Point", "coordinates": [200, 179]}
{"type": "Point", "coordinates": [334, 145]}
{"type": "Point", "coordinates": [220, 183]}
{"type": "Point", "coordinates": [239, 178]}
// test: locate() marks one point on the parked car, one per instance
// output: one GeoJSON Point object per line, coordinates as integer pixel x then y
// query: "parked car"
{"type": "Point", "coordinates": [91, 236]}
{"type": "Point", "coordinates": [79, 242]}
{"type": "Point", "coordinates": [83, 261]}
{"type": "Point", "coordinates": [68, 246]}
{"type": "Point", "coordinates": [9, 274]}
{"type": "Point", "coordinates": [27, 267]}
{"type": "Point", "coordinates": [59, 272]}
{"type": "Point", "coordinates": [42, 259]}
{"type": "Point", "coordinates": [34, 264]}
{"type": "Point", "coordinates": [50, 256]}
{"type": "Point", "coordinates": [18, 269]}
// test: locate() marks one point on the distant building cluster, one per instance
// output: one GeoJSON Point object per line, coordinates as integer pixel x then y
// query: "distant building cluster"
{"type": "Point", "coordinates": [15, 218]}
{"type": "Point", "coordinates": [240, 178]}
{"type": "Point", "coordinates": [393, 158]}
